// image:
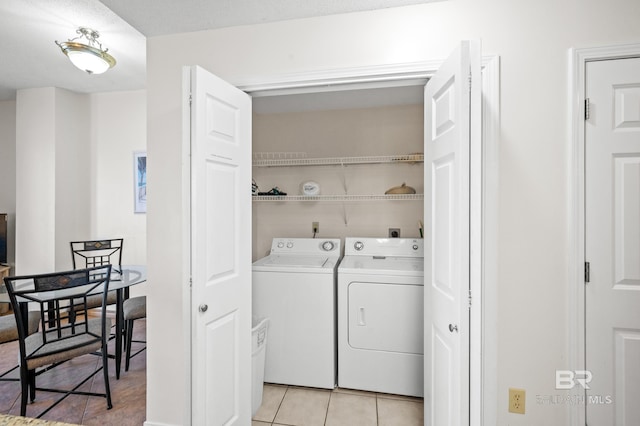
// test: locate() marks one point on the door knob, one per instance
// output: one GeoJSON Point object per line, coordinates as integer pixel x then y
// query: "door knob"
{"type": "Point", "coordinates": [203, 308]}
{"type": "Point", "coordinates": [453, 328]}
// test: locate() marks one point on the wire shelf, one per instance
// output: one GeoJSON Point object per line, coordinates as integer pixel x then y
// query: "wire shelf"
{"type": "Point", "coordinates": [339, 198]}
{"type": "Point", "coordinates": [279, 160]}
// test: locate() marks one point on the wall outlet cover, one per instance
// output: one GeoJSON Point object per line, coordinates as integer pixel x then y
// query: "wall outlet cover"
{"type": "Point", "coordinates": [517, 400]}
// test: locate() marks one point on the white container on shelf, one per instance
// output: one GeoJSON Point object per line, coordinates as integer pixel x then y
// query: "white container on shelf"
{"type": "Point", "coordinates": [309, 188]}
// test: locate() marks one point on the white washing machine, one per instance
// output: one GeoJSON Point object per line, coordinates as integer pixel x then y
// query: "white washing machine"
{"type": "Point", "coordinates": [380, 315]}
{"type": "Point", "coordinates": [294, 286]}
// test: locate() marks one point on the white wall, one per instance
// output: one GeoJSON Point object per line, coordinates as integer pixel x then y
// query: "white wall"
{"type": "Point", "coordinates": [118, 129]}
{"type": "Point", "coordinates": [8, 172]}
{"type": "Point", "coordinates": [532, 40]}
{"type": "Point", "coordinates": [74, 152]}
{"type": "Point", "coordinates": [338, 133]}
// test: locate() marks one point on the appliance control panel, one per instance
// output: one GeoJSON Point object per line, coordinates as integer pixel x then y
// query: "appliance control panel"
{"type": "Point", "coordinates": [330, 246]}
{"type": "Point", "coordinates": [400, 247]}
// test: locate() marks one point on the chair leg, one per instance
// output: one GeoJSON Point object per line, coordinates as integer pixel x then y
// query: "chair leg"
{"type": "Point", "coordinates": [129, 326]}
{"type": "Point", "coordinates": [105, 372]}
{"type": "Point", "coordinates": [31, 374]}
{"type": "Point", "coordinates": [24, 394]}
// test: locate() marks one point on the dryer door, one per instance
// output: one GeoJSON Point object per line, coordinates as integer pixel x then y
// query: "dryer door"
{"type": "Point", "coordinates": [386, 317]}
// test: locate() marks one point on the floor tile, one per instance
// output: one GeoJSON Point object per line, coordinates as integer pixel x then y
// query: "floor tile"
{"type": "Point", "coordinates": [303, 407]}
{"type": "Point", "coordinates": [271, 399]}
{"type": "Point", "coordinates": [128, 394]}
{"type": "Point", "coordinates": [397, 412]}
{"type": "Point", "coordinates": [351, 410]}
{"type": "Point", "coordinates": [255, 423]}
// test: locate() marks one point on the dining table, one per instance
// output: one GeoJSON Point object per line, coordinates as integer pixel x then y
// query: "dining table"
{"type": "Point", "coordinates": [122, 278]}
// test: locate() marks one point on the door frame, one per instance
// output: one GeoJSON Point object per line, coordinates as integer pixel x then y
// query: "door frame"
{"type": "Point", "coordinates": [576, 215]}
{"type": "Point", "coordinates": [483, 345]}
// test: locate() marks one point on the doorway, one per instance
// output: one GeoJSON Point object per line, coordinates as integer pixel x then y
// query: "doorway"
{"type": "Point", "coordinates": [483, 380]}
{"type": "Point", "coordinates": [605, 245]}
{"type": "Point", "coordinates": [483, 357]}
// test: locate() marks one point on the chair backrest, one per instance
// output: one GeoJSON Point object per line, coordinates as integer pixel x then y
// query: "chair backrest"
{"type": "Point", "coordinates": [55, 294]}
{"type": "Point", "coordinates": [86, 254]}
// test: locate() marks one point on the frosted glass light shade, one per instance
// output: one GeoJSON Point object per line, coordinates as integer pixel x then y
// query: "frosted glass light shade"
{"type": "Point", "coordinates": [87, 58]}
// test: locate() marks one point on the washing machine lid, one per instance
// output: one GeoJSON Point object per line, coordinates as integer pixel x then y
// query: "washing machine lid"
{"type": "Point", "coordinates": [278, 260]}
{"type": "Point", "coordinates": [394, 265]}
{"type": "Point", "coordinates": [296, 263]}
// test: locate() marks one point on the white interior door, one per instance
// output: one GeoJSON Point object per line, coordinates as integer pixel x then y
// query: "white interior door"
{"type": "Point", "coordinates": [612, 243]}
{"type": "Point", "coordinates": [452, 123]}
{"type": "Point", "coordinates": [220, 251]}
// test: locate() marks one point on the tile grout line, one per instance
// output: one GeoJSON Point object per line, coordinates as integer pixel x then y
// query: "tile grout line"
{"type": "Point", "coordinates": [280, 405]}
{"type": "Point", "coordinates": [91, 388]}
{"type": "Point", "coordinates": [326, 414]}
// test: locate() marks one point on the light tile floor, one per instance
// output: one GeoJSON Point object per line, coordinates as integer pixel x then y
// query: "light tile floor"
{"type": "Point", "coordinates": [128, 394]}
{"type": "Point", "coordinates": [297, 406]}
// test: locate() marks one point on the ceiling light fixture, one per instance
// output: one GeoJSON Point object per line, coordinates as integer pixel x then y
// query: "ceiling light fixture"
{"type": "Point", "coordinates": [90, 57]}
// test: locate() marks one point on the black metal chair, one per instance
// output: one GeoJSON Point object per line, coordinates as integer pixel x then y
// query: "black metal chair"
{"type": "Point", "coordinates": [60, 337]}
{"type": "Point", "coordinates": [102, 252]}
{"type": "Point", "coordinates": [133, 308]}
{"type": "Point", "coordinates": [86, 254]}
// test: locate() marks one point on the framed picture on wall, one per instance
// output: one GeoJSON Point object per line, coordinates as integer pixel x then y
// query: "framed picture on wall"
{"type": "Point", "coordinates": [140, 182]}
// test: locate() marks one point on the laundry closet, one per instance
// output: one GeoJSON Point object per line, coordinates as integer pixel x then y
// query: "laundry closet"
{"type": "Point", "coordinates": [386, 124]}
{"type": "Point", "coordinates": [340, 172]}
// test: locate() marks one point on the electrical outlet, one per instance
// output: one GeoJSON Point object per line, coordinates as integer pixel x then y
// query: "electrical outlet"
{"type": "Point", "coordinates": [394, 232]}
{"type": "Point", "coordinates": [315, 227]}
{"type": "Point", "coordinates": [517, 399]}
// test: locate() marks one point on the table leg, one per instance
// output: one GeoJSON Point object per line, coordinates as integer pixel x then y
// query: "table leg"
{"type": "Point", "coordinates": [119, 324]}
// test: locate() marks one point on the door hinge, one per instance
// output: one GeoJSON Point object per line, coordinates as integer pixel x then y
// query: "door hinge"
{"type": "Point", "coordinates": [190, 282]}
{"type": "Point", "coordinates": [469, 299]}
{"type": "Point", "coordinates": [587, 272]}
{"type": "Point", "coordinates": [470, 81]}
{"type": "Point", "coordinates": [587, 109]}
{"type": "Point", "coordinates": [190, 99]}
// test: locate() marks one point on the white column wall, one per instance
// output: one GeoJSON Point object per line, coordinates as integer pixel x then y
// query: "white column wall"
{"type": "Point", "coordinates": [73, 173]}
{"type": "Point", "coordinates": [8, 173]}
{"type": "Point", "coordinates": [52, 177]}
{"type": "Point", "coordinates": [532, 40]}
{"type": "Point", "coordinates": [35, 181]}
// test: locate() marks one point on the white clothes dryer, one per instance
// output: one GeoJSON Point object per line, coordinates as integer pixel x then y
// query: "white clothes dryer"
{"type": "Point", "coordinates": [294, 286]}
{"type": "Point", "coordinates": [380, 315]}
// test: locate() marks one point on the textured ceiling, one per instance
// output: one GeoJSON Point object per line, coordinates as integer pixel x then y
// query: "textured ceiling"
{"type": "Point", "coordinates": [30, 58]}
{"type": "Point", "coordinates": [28, 29]}
{"type": "Point", "coordinates": [159, 17]}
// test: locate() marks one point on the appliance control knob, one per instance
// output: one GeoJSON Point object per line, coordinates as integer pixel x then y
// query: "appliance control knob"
{"type": "Point", "coordinates": [289, 244]}
{"type": "Point", "coordinates": [358, 245]}
{"type": "Point", "coordinates": [328, 246]}
{"type": "Point", "coordinates": [415, 247]}
{"type": "Point", "coordinates": [280, 244]}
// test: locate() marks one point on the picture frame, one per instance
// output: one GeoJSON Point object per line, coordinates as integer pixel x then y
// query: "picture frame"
{"type": "Point", "coordinates": [140, 182]}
